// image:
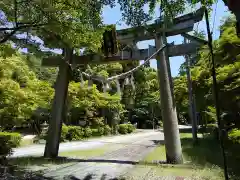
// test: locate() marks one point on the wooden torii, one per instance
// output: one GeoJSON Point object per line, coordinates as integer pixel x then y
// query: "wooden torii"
{"type": "Point", "coordinates": [158, 32]}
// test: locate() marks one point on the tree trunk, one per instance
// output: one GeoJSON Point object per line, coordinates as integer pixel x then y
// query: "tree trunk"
{"type": "Point", "coordinates": [169, 113]}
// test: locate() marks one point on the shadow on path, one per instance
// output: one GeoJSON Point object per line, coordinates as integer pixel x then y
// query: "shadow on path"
{"type": "Point", "coordinates": [63, 160]}
{"type": "Point", "coordinates": [39, 176]}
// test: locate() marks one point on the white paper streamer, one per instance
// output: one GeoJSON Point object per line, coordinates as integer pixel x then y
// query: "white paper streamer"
{"type": "Point", "coordinates": [126, 81]}
{"type": "Point", "coordinates": [118, 87]}
{"type": "Point", "coordinates": [90, 84]}
{"type": "Point", "coordinates": [81, 80]}
{"type": "Point", "coordinates": [132, 82]}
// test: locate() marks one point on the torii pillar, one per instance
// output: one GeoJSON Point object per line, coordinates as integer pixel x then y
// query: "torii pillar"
{"type": "Point", "coordinates": [59, 102]}
{"type": "Point", "coordinates": [168, 108]}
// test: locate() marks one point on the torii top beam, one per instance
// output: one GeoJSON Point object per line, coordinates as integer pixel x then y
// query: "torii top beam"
{"type": "Point", "coordinates": [126, 36]}
{"type": "Point", "coordinates": [182, 24]}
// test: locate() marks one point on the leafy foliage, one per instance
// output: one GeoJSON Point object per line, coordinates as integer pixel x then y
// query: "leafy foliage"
{"type": "Point", "coordinates": [234, 136]}
{"type": "Point", "coordinates": [8, 142]}
{"type": "Point", "coordinates": [21, 92]}
{"type": "Point", "coordinates": [226, 51]}
{"type": "Point", "coordinates": [125, 128]}
{"type": "Point", "coordinates": [59, 24]}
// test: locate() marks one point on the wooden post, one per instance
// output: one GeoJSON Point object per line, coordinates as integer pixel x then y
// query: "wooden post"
{"type": "Point", "coordinates": [169, 113]}
{"type": "Point", "coordinates": [192, 107]}
{"type": "Point", "coordinates": [192, 110]}
{"type": "Point", "coordinates": [59, 102]}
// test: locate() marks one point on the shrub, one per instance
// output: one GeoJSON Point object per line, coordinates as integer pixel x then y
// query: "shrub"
{"type": "Point", "coordinates": [130, 128]}
{"type": "Point", "coordinates": [64, 133]}
{"type": "Point", "coordinates": [101, 131]}
{"type": "Point", "coordinates": [211, 128]}
{"type": "Point", "coordinates": [87, 132]}
{"type": "Point", "coordinates": [234, 136]}
{"type": "Point", "coordinates": [63, 137]}
{"type": "Point", "coordinates": [123, 128]}
{"type": "Point", "coordinates": [160, 123]}
{"type": "Point", "coordinates": [75, 133]}
{"type": "Point", "coordinates": [107, 130]}
{"type": "Point", "coordinates": [8, 141]}
{"type": "Point", "coordinates": [95, 132]}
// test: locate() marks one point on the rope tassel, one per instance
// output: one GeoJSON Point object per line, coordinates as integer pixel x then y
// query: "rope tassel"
{"type": "Point", "coordinates": [132, 82]}
{"type": "Point", "coordinates": [90, 84]}
{"type": "Point", "coordinates": [81, 80]}
{"type": "Point", "coordinates": [108, 86]}
{"type": "Point", "coordinates": [118, 87]}
{"type": "Point", "coordinates": [126, 81]}
{"type": "Point", "coordinates": [104, 88]}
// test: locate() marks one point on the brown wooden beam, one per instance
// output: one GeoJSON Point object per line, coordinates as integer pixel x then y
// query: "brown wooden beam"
{"type": "Point", "coordinates": [141, 54]}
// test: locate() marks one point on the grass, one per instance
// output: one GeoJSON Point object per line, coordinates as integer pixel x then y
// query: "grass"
{"type": "Point", "coordinates": [26, 142]}
{"type": "Point", "coordinates": [202, 161]}
{"type": "Point", "coordinates": [64, 157]}
{"type": "Point", "coordinates": [86, 153]}
{"type": "Point", "coordinates": [158, 153]}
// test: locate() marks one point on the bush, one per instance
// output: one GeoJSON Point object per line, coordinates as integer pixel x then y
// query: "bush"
{"type": "Point", "coordinates": [8, 141]}
{"type": "Point", "coordinates": [211, 128]}
{"type": "Point", "coordinates": [95, 132]}
{"type": "Point", "coordinates": [107, 130]}
{"type": "Point", "coordinates": [160, 123]}
{"type": "Point", "coordinates": [75, 133]}
{"type": "Point", "coordinates": [64, 133]}
{"type": "Point", "coordinates": [87, 132]}
{"type": "Point", "coordinates": [130, 128]}
{"type": "Point", "coordinates": [234, 136]}
{"type": "Point", "coordinates": [101, 131]}
{"type": "Point", "coordinates": [123, 128]}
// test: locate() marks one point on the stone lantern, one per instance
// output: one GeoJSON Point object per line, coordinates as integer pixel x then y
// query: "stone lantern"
{"type": "Point", "coordinates": [44, 128]}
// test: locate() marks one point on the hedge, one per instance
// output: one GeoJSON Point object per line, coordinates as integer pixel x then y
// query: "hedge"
{"type": "Point", "coordinates": [131, 128]}
{"type": "Point", "coordinates": [107, 130]}
{"type": "Point", "coordinates": [87, 132]}
{"type": "Point", "coordinates": [126, 128]}
{"type": "Point", "coordinates": [8, 141]}
{"type": "Point", "coordinates": [75, 133]}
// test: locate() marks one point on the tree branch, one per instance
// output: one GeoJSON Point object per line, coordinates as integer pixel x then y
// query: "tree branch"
{"type": "Point", "coordinates": [22, 27]}
{"type": "Point", "coordinates": [7, 36]}
{"type": "Point", "coordinates": [15, 29]}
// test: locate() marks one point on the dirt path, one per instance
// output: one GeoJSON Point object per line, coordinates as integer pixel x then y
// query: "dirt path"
{"type": "Point", "coordinates": [110, 165]}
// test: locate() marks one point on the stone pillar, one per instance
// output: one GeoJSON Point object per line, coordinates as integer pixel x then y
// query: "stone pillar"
{"type": "Point", "coordinates": [57, 112]}
{"type": "Point", "coordinates": [168, 108]}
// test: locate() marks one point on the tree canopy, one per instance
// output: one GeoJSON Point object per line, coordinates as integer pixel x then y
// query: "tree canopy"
{"type": "Point", "coordinates": [78, 24]}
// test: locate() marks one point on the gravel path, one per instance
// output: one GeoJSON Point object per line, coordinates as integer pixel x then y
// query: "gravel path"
{"type": "Point", "coordinates": [111, 164]}
{"type": "Point", "coordinates": [81, 145]}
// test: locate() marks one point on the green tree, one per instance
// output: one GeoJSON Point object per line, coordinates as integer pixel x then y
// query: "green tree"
{"type": "Point", "coordinates": [226, 51]}
{"type": "Point", "coordinates": [21, 92]}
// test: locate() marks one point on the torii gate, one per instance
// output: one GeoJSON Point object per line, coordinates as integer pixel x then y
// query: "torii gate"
{"type": "Point", "coordinates": [158, 32]}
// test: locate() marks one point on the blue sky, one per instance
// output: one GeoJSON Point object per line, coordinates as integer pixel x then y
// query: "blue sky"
{"type": "Point", "coordinates": [112, 16]}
